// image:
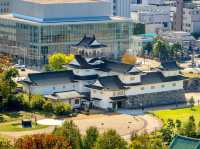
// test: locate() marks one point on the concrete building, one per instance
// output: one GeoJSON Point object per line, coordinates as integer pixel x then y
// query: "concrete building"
{"type": "Point", "coordinates": [140, 42]}
{"type": "Point", "coordinates": [153, 2]}
{"type": "Point", "coordinates": [191, 18]}
{"type": "Point", "coordinates": [5, 6]}
{"type": "Point", "coordinates": [120, 7]}
{"type": "Point", "coordinates": [155, 18]}
{"type": "Point", "coordinates": [185, 39]}
{"type": "Point", "coordinates": [30, 36]}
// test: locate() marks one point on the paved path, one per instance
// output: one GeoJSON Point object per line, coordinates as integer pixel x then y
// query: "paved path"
{"type": "Point", "coordinates": [124, 124]}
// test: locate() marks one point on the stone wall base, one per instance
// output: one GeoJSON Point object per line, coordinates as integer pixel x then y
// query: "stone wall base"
{"type": "Point", "coordinates": [155, 99]}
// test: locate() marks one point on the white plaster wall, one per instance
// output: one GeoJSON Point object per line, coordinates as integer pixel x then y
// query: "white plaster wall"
{"type": "Point", "coordinates": [168, 86]}
{"type": "Point", "coordinates": [84, 72]}
{"type": "Point", "coordinates": [127, 79]}
{"type": "Point", "coordinates": [104, 95]}
{"type": "Point", "coordinates": [170, 73]}
{"type": "Point", "coordinates": [50, 89]}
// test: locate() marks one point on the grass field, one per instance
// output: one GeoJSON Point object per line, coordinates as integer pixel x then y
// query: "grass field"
{"type": "Point", "coordinates": [180, 114]}
{"type": "Point", "coordinates": [11, 121]}
{"type": "Point", "coordinates": [16, 126]}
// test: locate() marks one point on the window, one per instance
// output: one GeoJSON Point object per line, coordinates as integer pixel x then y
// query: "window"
{"type": "Point", "coordinates": [77, 101]}
{"type": "Point", "coordinates": [142, 88]}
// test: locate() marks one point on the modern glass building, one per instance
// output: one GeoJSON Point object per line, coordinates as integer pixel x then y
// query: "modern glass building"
{"type": "Point", "coordinates": [31, 38]}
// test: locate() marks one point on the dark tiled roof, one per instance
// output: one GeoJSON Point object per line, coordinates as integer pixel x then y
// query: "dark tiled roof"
{"type": "Point", "coordinates": [170, 65]}
{"type": "Point", "coordinates": [182, 142]}
{"type": "Point", "coordinates": [117, 67]}
{"type": "Point", "coordinates": [89, 77]}
{"type": "Point", "coordinates": [56, 77]}
{"type": "Point", "coordinates": [82, 62]}
{"type": "Point", "coordinates": [87, 43]}
{"type": "Point", "coordinates": [158, 77]}
{"type": "Point", "coordinates": [109, 83]}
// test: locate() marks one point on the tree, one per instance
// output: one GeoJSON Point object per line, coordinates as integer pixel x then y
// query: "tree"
{"type": "Point", "coordinates": [48, 106]}
{"type": "Point", "coordinates": [111, 140]}
{"type": "Point", "coordinates": [128, 59]}
{"type": "Point", "coordinates": [191, 101]}
{"type": "Point", "coordinates": [5, 144]}
{"type": "Point", "coordinates": [175, 48]}
{"type": "Point", "coordinates": [37, 102]}
{"type": "Point", "coordinates": [57, 60]}
{"type": "Point", "coordinates": [5, 63]}
{"type": "Point", "coordinates": [42, 141]}
{"type": "Point", "coordinates": [90, 138]}
{"type": "Point", "coordinates": [146, 141]}
{"type": "Point", "coordinates": [189, 128]}
{"type": "Point", "coordinates": [70, 131]}
{"type": "Point", "coordinates": [8, 76]}
{"type": "Point", "coordinates": [161, 50]}
{"type": "Point", "coordinates": [61, 108]}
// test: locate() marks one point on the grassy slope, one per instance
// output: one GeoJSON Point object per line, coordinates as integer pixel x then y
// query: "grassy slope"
{"type": "Point", "coordinates": [180, 114]}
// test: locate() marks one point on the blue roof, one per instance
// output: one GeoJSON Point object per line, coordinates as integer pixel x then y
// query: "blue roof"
{"type": "Point", "coordinates": [60, 20]}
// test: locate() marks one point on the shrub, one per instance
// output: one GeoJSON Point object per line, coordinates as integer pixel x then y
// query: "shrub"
{"type": "Point", "coordinates": [42, 141]}
{"type": "Point", "coordinates": [48, 106]}
{"type": "Point", "coordinates": [37, 102]}
{"type": "Point", "coordinates": [61, 108]}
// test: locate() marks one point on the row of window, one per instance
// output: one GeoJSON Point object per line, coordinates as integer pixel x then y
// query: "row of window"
{"type": "Point", "coordinates": [162, 86]}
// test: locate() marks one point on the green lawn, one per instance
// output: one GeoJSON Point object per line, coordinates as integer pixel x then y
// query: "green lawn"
{"type": "Point", "coordinates": [180, 114]}
{"type": "Point", "coordinates": [11, 121]}
{"type": "Point", "coordinates": [16, 126]}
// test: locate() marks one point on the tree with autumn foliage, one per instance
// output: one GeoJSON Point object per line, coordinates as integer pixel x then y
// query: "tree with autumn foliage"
{"type": "Point", "coordinates": [42, 141]}
{"type": "Point", "coordinates": [5, 63]}
{"type": "Point", "coordinates": [57, 60]}
{"type": "Point", "coordinates": [128, 59]}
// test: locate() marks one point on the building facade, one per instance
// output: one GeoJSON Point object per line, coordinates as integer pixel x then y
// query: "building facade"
{"type": "Point", "coordinates": [5, 6]}
{"type": "Point", "coordinates": [30, 36]}
{"type": "Point", "coordinates": [120, 7]}
{"type": "Point", "coordinates": [156, 18]}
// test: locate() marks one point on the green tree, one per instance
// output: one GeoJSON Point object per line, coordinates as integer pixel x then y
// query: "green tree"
{"type": "Point", "coordinates": [57, 60]}
{"type": "Point", "coordinates": [110, 140]}
{"type": "Point", "coordinates": [37, 102]}
{"type": "Point", "coordinates": [189, 128]}
{"type": "Point", "coordinates": [70, 131]}
{"type": "Point", "coordinates": [175, 49]}
{"type": "Point", "coordinates": [161, 50]}
{"type": "Point", "coordinates": [61, 108]}
{"type": "Point", "coordinates": [8, 76]}
{"type": "Point", "coordinates": [90, 138]}
{"type": "Point", "coordinates": [48, 106]}
{"type": "Point", "coordinates": [191, 101]}
{"type": "Point", "coordinates": [5, 144]}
